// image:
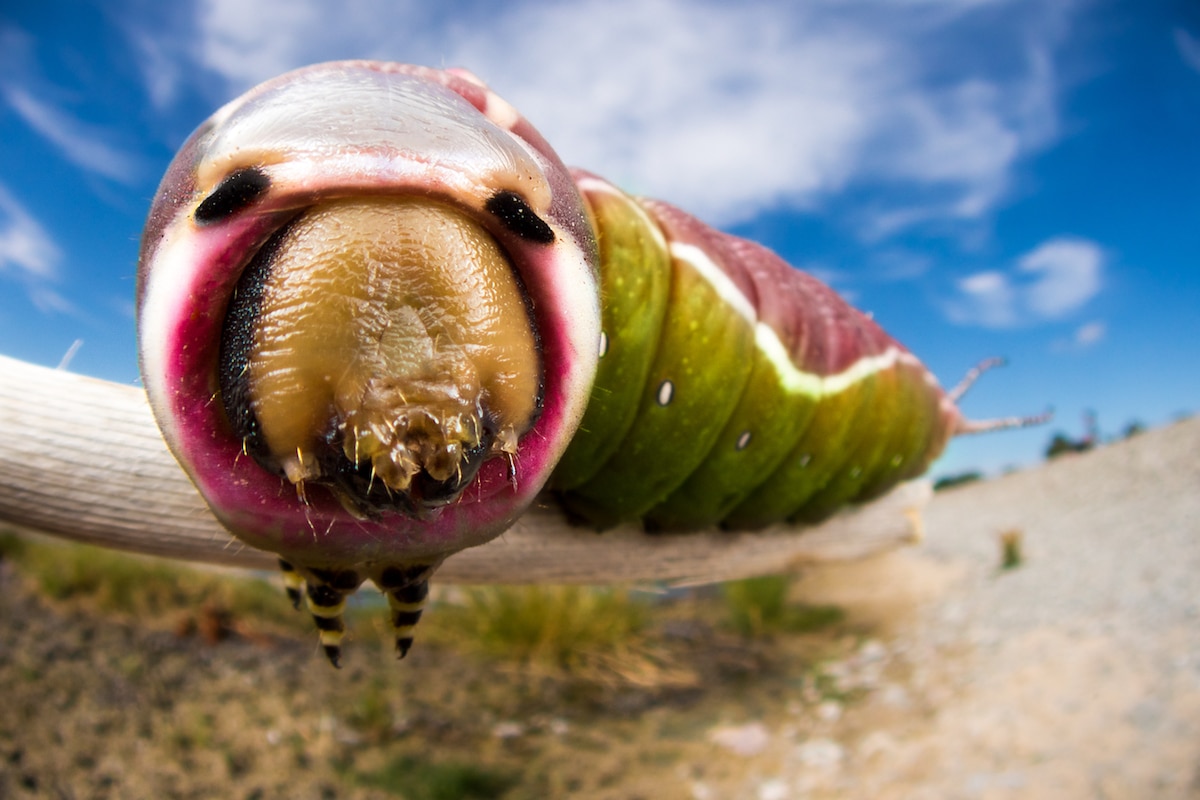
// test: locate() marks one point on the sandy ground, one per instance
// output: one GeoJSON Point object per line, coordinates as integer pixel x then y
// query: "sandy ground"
{"type": "Point", "coordinates": [1074, 675]}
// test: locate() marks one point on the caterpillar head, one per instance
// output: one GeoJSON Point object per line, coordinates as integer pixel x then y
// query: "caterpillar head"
{"type": "Point", "coordinates": [367, 322]}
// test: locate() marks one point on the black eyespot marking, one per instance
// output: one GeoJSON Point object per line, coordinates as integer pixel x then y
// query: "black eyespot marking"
{"type": "Point", "coordinates": [232, 195]}
{"type": "Point", "coordinates": [516, 215]}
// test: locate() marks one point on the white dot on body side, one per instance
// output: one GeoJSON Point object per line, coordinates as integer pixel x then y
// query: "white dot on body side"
{"type": "Point", "coordinates": [666, 392]}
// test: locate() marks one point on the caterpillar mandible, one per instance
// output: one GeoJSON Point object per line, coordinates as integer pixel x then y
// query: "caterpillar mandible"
{"type": "Point", "coordinates": [377, 316]}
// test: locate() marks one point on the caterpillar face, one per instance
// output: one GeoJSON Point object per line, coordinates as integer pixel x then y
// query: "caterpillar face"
{"type": "Point", "coordinates": [373, 307]}
{"type": "Point", "coordinates": [380, 347]}
{"type": "Point", "coordinates": [367, 320]}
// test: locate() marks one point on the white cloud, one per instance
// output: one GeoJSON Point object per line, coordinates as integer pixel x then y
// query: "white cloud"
{"type": "Point", "coordinates": [1050, 282]}
{"type": "Point", "coordinates": [48, 300]}
{"type": "Point", "coordinates": [893, 265]}
{"type": "Point", "coordinates": [1188, 47]}
{"type": "Point", "coordinates": [953, 150]}
{"type": "Point", "coordinates": [159, 63]}
{"type": "Point", "coordinates": [1090, 333]}
{"type": "Point", "coordinates": [1067, 275]}
{"type": "Point", "coordinates": [24, 245]}
{"type": "Point", "coordinates": [1084, 337]}
{"type": "Point", "coordinates": [725, 110]}
{"type": "Point", "coordinates": [987, 299]}
{"type": "Point", "coordinates": [30, 256]}
{"type": "Point", "coordinates": [237, 43]}
{"type": "Point", "coordinates": [80, 143]}
{"type": "Point", "coordinates": [247, 43]}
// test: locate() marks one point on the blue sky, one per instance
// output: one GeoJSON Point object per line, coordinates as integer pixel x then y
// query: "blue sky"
{"type": "Point", "coordinates": [987, 177]}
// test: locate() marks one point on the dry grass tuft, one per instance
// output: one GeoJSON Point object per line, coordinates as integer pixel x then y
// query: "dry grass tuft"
{"type": "Point", "coordinates": [1012, 553]}
{"type": "Point", "coordinates": [759, 607]}
{"type": "Point", "coordinates": [213, 603]}
{"type": "Point", "coordinates": [598, 635]}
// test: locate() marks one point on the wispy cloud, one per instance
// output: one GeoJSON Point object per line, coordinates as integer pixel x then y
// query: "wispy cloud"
{"type": "Point", "coordinates": [157, 55]}
{"type": "Point", "coordinates": [1066, 274]}
{"type": "Point", "coordinates": [986, 298]}
{"type": "Point", "coordinates": [951, 151]}
{"type": "Point", "coordinates": [247, 43]}
{"type": "Point", "coordinates": [47, 106]}
{"type": "Point", "coordinates": [1085, 337]}
{"type": "Point", "coordinates": [892, 265]}
{"type": "Point", "coordinates": [29, 256]}
{"type": "Point", "coordinates": [25, 247]}
{"type": "Point", "coordinates": [48, 300]}
{"type": "Point", "coordinates": [732, 110]}
{"type": "Point", "coordinates": [81, 143]}
{"type": "Point", "coordinates": [725, 110]}
{"type": "Point", "coordinates": [1052, 281]}
{"type": "Point", "coordinates": [1188, 47]}
{"type": "Point", "coordinates": [1090, 333]}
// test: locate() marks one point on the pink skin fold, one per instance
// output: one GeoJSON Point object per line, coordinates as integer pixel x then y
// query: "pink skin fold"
{"type": "Point", "coordinates": [188, 271]}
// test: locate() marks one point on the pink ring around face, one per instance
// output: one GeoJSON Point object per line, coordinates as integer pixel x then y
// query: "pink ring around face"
{"type": "Point", "coordinates": [334, 130]}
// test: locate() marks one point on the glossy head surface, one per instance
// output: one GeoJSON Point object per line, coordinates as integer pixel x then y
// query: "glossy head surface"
{"type": "Point", "coordinates": [349, 144]}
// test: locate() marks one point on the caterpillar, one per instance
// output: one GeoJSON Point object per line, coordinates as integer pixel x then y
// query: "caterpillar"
{"type": "Point", "coordinates": [377, 317]}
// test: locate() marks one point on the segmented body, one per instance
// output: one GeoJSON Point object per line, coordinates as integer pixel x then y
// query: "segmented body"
{"type": "Point", "coordinates": [317, 353]}
{"type": "Point", "coordinates": [733, 388]}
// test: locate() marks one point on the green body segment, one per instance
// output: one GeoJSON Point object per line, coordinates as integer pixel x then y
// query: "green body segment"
{"type": "Point", "coordinates": [756, 439]}
{"type": "Point", "coordinates": [700, 416]}
{"type": "Point", "coordinates": [907, 415]}
{"type": "Point", "coordinates": [811, 463]}
{"type": "Point", "coordinates": [701, 364]}
{"type": "Point", "coordinates": [860, 458]}
{"type": "Point", "coordinates": [635, 281]}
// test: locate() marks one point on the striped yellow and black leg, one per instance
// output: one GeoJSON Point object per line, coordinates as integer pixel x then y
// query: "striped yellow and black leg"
{"type": "Point", "coordinates": [406, 589]}
{"type": "Point", "coordinates": [326, 605]}
{"type": "Point", "coordinates": [325, 596]}
{"type": "Point", "coordinates": [293, 583]}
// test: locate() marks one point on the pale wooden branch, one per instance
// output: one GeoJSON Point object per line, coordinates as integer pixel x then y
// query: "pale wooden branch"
{"type": "Point", "coordinates": [82, 459]}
